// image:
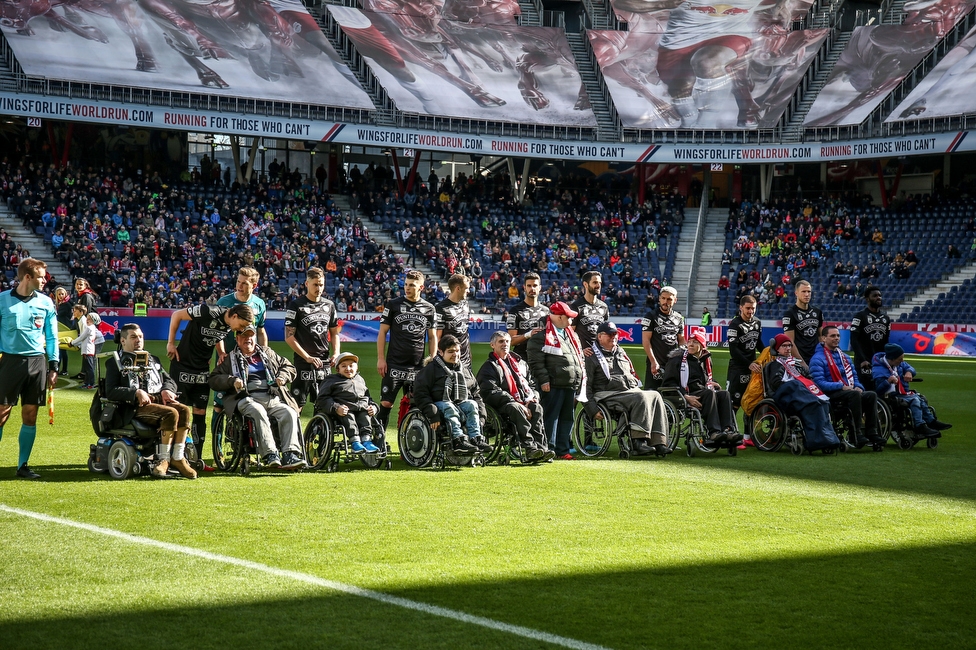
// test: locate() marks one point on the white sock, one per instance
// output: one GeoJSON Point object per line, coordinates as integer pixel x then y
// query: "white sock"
{"type": "Point", "coordinates": [178, 449]}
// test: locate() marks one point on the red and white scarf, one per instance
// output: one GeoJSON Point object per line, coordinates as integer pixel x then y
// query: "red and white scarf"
{"type": "Point", "coordinates": [513, 377]}
{"type": "Point", "coordinates": [848, 377]}
{"type": "Point", "coordinates": [706, 366]}
{"type": "Point", "coordinates": [552, 345]}
{"type": "Point", "coordinates": [789, 363]}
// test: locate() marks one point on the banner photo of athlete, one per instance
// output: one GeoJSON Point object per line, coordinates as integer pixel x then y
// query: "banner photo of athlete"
{"type": "Point", "coordinates": [715, 19]}
{"type": "Point", "coordinates": [259, 49]}
{"type": "Point", "coordinates": [497, 12]}
{"type": "Point", "coordinates": [947, 89]}
{"type": "Point", "coordinates": [878, 57]}
{"type": "Point", "coordinates": [433, 66]}
{"type": "Point", "coordinates": [650, 85]}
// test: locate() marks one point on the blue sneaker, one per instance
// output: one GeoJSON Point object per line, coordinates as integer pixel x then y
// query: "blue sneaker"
{"type": "Point", "coordinates": [592, 449]}
{"type": "Point", "coordinates": [358, 447]}
{"type": "Point", "coordinates": [370, 447]}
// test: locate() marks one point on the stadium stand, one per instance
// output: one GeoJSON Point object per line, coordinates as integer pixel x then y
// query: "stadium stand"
{"type": "Point", "coordinates": [841, 249]}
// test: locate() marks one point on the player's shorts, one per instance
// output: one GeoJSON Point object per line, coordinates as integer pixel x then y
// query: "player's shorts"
{"type": "Point", "coordinates": [23, 378]}
{"type": "Point", "coordinates": [192, 385]}
{"type": "Point", "coordinates": [738, 381]}
{"type": "Point", "coordinates": [394, 380]}
{"type": "Point", "coordinates": [675, 65]}
{"type": "Point", "coordinates": [306, 383]}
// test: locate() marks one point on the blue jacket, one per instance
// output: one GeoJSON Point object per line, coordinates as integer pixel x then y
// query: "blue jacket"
{"type": "Point", "coordinates": [28, 327]}
{"type": "Point", "coordinates": [880, 374]}
{"type": "Point", "coordinates": [820, 371]}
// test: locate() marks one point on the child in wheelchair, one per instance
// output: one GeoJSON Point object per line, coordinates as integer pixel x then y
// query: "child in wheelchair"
{"type": "Point", "coordinates": [345, 397]}
{"type": "Point", "coordinates": [892, 374]}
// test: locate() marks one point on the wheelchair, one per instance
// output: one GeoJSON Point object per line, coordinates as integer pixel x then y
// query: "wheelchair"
{"type": "Point", "coordinates": [505, 444]}
{"type": "Point", "coordinates": [591, 437]}
{"type": "Point", "coordinates": [234, 444]}
{"type": "Point", "coordinates": [843, 421]}
{"type": "Point", "coordinates": [125, 451]}
{"type": "Point", "coordinates": [423, 446]}
{"type": "Point", "coordinates": [771, 428]}
{"type": "Point", "coordinates": [686, 422]}
{"type": "Point", "coordinates": [901, 426]}
{"type": "Point", "coordinates": [326, 444]}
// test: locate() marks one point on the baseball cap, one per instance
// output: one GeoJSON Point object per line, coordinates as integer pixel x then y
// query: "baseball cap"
{"type": "Point", "coordinates": [562, 309]}
{"type": "Point", "coordinates": [250, 329]}
{"type": "Point", "coordinates": [607, 328]}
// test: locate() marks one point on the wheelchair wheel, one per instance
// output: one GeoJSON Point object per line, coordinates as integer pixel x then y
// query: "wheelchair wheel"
{"type": "Point", "coordinates": [318, 442]}
{"type": "Point", "coordinates": [246, 465]}
{"type": "Point", "coordinates": [494, 433]}
{"type": "Point", "coordinates": [796, 437]}
{"type": "Point", "coordinates": [598, 433]}
{"type": "Point", "coordinates": [418, 443]}
{"type": "Point", "coordinates": [905, 440]}
{"type": "Point", "coordinates": [122, 461]}
{"type": "Point", "coordinates": [768, 426]}
{"type": "Point", "coordinates": [884, 420]}
{"type": "Point", "coordinates": [373, 461]}
{"type": "Point", "coordinates": [225, 442]}
{"type": "Point", "coordinates": [674, 419]}
{"type": "Point", "coordinates": [931, 443]}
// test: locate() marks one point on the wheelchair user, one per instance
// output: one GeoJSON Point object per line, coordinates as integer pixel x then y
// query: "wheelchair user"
{"type": "Point", "coordinates": [345, 397]}
{"type": "Point", "coordinates": [612, 381]}
{"type": "Point", "coordinates": [789, 382]}
{"type": "Point", "coordinates": [254, 379]}
{"type": "Point", "coordinates": [144, 391]}
{"type": "Point", "coordinates": [892, 374]}
{"type": "Point", "coordinates": [690, 371]}
{"type": "Point", "coordinates": [835, 375]}
{"type": "Point", "coordinates": [446, 387]}
{"type": "Point", "coordinates": [507, 386]}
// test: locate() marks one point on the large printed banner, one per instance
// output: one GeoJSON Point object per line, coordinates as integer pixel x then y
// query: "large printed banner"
{"type": "Point", "coordinates": [239, 48]}
{"type": "Point", "coordinates": [434, 66]}
{"type": "Point", "coordinates": [878, 57]}
{"type": "Point", "coordinates": [157, 117]}
{"type": "Point", "coordinates": [654, 87]}
{"type": "Point", "coordinates": [699, 20]}
{"type": "Point", "coordinates": [947, 89]}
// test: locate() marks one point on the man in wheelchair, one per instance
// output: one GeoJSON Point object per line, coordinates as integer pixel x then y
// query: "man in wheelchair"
{"type": "Point", "coordinates": [254, 379]}
{"type": "Point", "coordinates": [136, 381]}
{"type": "Point", "coordinates": [612, 381]}
{"type": "Point", "coordinates": [446, 388]}
{"type": "Point", "coordinates": [345, 397]}
{"type": "Point", "coordinates": [892, 374]}
{"type": "Point", "coordinates": [787, 379]}
{"type": "Point", "coordinates": [690, 371]}
{"type": "Point", "coordinates": [507, 386]}
{"type": "Point", "coordinates": [836, 376]}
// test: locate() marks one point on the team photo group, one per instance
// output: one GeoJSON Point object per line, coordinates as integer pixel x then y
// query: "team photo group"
{"type": "Point", "coordinates": [517, 403]}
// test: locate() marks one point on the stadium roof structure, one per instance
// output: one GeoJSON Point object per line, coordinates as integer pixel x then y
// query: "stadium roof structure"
{"type": "Point", "coordinates": [505, 84]}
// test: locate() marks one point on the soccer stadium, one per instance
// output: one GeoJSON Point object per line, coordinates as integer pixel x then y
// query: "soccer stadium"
{"type": "Point", "coordinates": [592, 324]}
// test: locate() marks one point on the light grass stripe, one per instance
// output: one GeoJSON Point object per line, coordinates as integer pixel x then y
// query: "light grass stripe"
{"type": "Point", "coordinates": [396, 601]}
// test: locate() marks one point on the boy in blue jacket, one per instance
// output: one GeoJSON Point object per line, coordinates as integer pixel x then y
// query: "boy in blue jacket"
{"type": "Point", "coordinates": [892, 374]}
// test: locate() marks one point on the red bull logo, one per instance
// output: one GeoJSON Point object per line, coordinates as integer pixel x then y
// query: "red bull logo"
{"type": "Point", "coordinates": [624, 335]}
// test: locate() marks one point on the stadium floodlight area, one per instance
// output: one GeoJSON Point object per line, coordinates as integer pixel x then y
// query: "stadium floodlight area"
{"type": "Point", "coordinates": [173, 45]}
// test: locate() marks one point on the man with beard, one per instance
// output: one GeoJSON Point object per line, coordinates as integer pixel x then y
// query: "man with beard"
{"type": "Point", "coordinates": [451, 315]}
{"type": "Point", "coordinates": [745, 341]}
{"type": "Point", "coordinates": [528, 318]}
{"type": "Point", "coordinates": [592, 311]}
{"type": "Point", "coordinates": [802, 322]}
{"type": "Point", "coordinates": [310, 324]}
{"type": "Point", "coordinates": [870, 329]}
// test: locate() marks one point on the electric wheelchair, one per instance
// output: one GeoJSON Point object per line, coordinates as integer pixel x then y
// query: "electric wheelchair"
{"type": "Point", "coordinates": [234, 444]}
{"type": "Point", "coordinates": [505, 444]}
{"type": "Point", "coordinates": [423, 446]}
{"type": "Point", "coordinates": [592, 436]}
{"type": "Point", "coordinates": [124, 451]}
{"type": "Point", "coordinates": [326, 445]}
{"type": "Point", "coordinates": [686, 422]}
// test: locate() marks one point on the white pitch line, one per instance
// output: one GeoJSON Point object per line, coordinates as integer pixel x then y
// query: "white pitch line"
{"type": "Point", "coordinates": [387, 599]}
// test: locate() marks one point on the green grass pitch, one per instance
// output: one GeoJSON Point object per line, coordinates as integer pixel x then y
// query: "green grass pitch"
{"type": "Point", "coordinates": [859, 550]}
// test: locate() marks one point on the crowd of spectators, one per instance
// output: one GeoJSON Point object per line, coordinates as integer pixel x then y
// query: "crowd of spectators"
{"type": "Point", "coordinates": [776, 243]}
{"type": "Point", "coordinates": [477, 226]}
{"type": "Point", "coordinates": [141, 238]}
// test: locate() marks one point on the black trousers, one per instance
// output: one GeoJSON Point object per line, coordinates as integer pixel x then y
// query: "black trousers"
{"type": "Point", "coordinates": [528, 430]}
{"type": "Point", "coordinates": [863, 406]}
{"type": "Point", "coordinates": [716, 409]}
